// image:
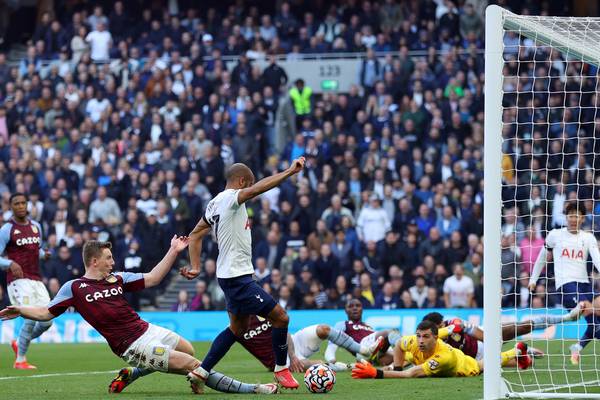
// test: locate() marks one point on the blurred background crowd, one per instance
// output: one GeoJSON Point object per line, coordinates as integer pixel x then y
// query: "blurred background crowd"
{"type": "Point", "coordinates": [119, 120]}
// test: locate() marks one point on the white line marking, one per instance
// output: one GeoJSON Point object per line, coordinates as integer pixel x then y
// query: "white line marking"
{"type": "Point", "coordinates": [549, 389]}
{"type": "Point", "coordinates": [4, 378]}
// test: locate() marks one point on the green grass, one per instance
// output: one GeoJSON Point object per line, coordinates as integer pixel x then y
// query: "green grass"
{"type": "Point", "coordinates": [81, 358]}
{"type": "Point", "coordinates": [97, 358]}
{"type": "Point", "coordinates": [556, 370]}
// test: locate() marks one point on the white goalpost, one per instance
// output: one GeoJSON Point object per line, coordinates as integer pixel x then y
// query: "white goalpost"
{"type": "Point", "coordinates": [542, 138]}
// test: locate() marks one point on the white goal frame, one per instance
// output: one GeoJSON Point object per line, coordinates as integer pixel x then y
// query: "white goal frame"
{"type": "Point", "coordinates": [497, 20]}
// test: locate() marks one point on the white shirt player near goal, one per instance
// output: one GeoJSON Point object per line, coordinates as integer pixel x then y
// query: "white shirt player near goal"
{"type": "Point", "coordinates": [570, 249]}
{"type": "Point", "coordinates": [226, 215]}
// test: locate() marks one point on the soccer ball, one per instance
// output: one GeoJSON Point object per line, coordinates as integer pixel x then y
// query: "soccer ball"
{"type": "Point", "coordinates": [319, 378]}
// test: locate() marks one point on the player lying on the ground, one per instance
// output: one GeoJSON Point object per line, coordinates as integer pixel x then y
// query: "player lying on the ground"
{"type": "Point", "coordinates": [469, 337]}
{"type": "Point", "coordinates": [570, 249]}
{"type": "Point", "coordinates": [362, 333]}
{"type": "Point", "coordinates": [433, 357]}
{"type": "Point", "coordinates": [301, 345]}
{"type": "Point", "coordinates": [226, 214]}
{"type": "Point", "coordinates": [98, 297]}
{"type": "Point", "coordinates": [21, 238]}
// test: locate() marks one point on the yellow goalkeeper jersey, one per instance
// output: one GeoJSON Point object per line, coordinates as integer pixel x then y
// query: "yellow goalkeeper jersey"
{"type": "Point", "coordinates": [446, 361]}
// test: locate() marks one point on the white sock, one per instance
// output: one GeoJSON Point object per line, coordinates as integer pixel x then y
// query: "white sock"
{"type": "Point", "coordinates": [279, 368]}
{"type": "Point", "coordinates": [21, 358]}
{"type": "Point", "coordinates": [202, 372]}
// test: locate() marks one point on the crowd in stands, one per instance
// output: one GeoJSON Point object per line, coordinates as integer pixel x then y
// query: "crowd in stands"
{"type": "Point", "coordinates": [120, 121]}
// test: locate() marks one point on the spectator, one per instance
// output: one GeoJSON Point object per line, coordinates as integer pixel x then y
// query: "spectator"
{"type": "Point", "coordinates": [100, 42]}
{"type": "Point", "coordinates": [387, 299]}
{"type": "Point", "coordinates": [529, 248]}
{"type": "Point", "coordinates": [373, 222]}
{"type": "Point", "coordinates": [419, 291]}
{"type": "Point", "coordinates": [197, 302]}
{"type": "Point", "coordinates": [182, 302]}
{"type": "Point", "coordinates": [448, 223]}
{"type": "Point", "coordinates": [285, 298]}
{"type": "Point", "coordinates": [301, 99]}
{"type": "Point", "coordinates": [458, 289]}
{"type": "Point", "coordinates": [104, 209]}
{"type": "Point", "coordinates": [433, 299]}
{"type": "Point", "coordinates": [261, 271]}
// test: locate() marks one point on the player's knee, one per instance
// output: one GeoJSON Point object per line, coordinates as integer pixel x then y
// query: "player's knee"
{"type": "Point", "coordinates": [323, 331]}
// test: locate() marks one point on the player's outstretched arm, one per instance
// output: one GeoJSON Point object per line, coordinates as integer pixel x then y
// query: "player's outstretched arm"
{"type": "Point", "coordinates": [154, 277]}
{"type": "Point", "coordinates": [295, 364]}
{"type": "Point", "coordinates": [270, 182]}
{"type": "Point", "coordinates": [195, 249]}
{"type": "Point", "coordinates": [34, 313]}
{"type": "Point", "coordinates": [364, 370]}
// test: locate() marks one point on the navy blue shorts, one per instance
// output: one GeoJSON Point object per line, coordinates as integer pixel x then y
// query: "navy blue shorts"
{"type": "Point", "coordinates": [245, 296]}
{"type": "Point", "coordinates": [573, 292]}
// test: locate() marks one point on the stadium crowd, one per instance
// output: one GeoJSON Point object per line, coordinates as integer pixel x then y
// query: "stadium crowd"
{"type": "Point", "coordinates": [119, 123]}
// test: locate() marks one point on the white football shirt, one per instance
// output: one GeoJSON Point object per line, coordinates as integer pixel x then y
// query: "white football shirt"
{"type": "Point", "coordinates": [230, 223]}
{"type": "Point", "coordinates": [570, 253]}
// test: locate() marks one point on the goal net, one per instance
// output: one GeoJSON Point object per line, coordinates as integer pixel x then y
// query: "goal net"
{"type": "Point", "coordinates": [541, 130]}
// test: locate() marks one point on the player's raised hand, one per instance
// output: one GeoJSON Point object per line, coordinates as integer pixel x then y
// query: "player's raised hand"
{"type": "Point", "coordinates": [189, 272]}
{"type": "Point", "coordinates": [179, 243]}
{"type": "Point", "coordinates": [364, 370]}
{"type": "Point", "coordinates": [532, 287]}
{"type": "Point", "coordinates": [297, 165]}
{"type": "Point", "coordinates": [9, 312]}
{"type": "Point", "coordinates": [16, 270]}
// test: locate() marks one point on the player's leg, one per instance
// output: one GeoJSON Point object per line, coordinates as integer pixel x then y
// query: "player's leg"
{"type": "Point", "coordinates": [223, 342]}
{"type": "Point", "coordinates": [574, 293]}
{"type": "Point", "coordinates": [280, 321]}
{"type": "Point", "coordinates": [42, 298]}
{"type": "Point", "coordinates": [25, 292]}
{"type": "Point", "coordinates": [325, 332]}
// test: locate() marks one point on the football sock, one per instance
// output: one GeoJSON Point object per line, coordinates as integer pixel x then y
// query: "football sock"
{"type": "Point", "coordinates": [24, 339]}
{"type": "Point", "coordinates": [40, 327]}
{"type": "Point", "coordinates": [394, 336]}
{"type": "Point", "coordinates": [139, 372]}
{"type": "Point", "coordinates": [222, 383]}
{"type": "Point", "coordinates": [220, 346]}
{"type": "Point", "coordinates": [507, 356]}
{"type": "Point", "coordinates": [589, 332]}
{"type": "Point", "coordinates": [343, 340]}
{"type": "Point", "coordinates": [280, 347]}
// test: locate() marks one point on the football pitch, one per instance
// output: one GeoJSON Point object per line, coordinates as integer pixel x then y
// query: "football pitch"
{"type": "Point", "coordinates": [83, 371]}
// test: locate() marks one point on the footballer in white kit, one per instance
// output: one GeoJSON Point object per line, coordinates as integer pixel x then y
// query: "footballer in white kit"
{"type": "Point", "coordinates": [226, 214]}
{"type": "Point", "coordinates": [570, 249]}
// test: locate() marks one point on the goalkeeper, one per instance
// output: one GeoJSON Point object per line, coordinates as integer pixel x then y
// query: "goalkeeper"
{"type": "Point", "coordinates": [433, 357]}
{"type": "Point", "coordinates": [570, 248]}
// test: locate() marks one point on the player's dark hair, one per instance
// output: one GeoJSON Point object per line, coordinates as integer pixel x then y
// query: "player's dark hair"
{"type": "Point", "coordinates": [14, 195]}
{"type": "Point", "coordinates": [93, 249]}
{"type": "Point", "coordinates": [428, 325]}
{"type": "Point", "coordinates": [575, 207]}
{"type": "Point", "coordinates": [434, 317]}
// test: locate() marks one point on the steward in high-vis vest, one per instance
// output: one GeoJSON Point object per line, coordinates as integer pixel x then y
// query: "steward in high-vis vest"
{"type": "Point", "coordinates": [300, 96]}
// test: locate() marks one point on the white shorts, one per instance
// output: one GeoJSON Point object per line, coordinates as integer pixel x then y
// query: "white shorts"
{"type": "Point", "coordinates": [28, 292]}
{"type": "Point", "coordinates": [151, 350]}
{"type": "Point", "coordinates": [306, 342]}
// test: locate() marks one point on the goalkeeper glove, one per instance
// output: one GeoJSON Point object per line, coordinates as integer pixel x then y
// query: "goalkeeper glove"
{"type": "Point", "coordinates": [364, 370]}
